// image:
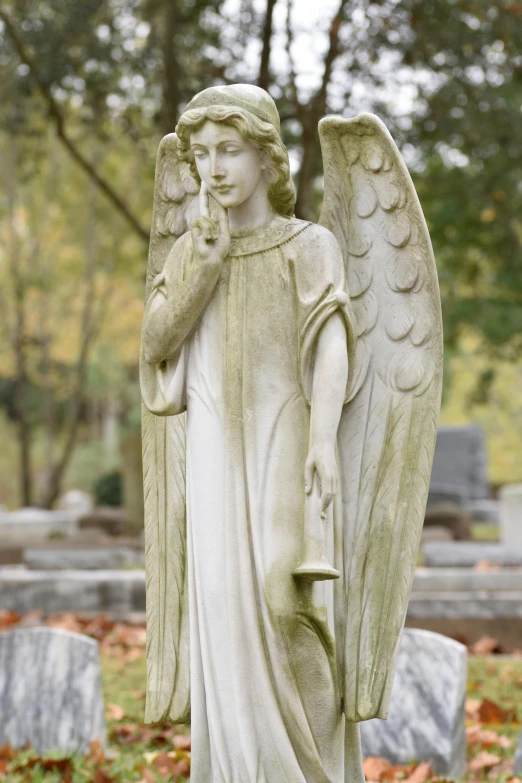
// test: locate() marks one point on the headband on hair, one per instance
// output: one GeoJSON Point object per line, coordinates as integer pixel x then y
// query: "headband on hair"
{"type": "Point", "coordinates": [242, 96]}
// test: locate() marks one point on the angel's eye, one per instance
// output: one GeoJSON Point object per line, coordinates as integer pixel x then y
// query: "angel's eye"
{"type": "Point", "coordinates": [199, 153]}
{"type": "Point", "coordinates": [232, 150]}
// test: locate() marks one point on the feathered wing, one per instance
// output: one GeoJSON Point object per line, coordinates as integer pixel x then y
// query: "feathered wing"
{"type": "Point", "coordinates": [168, 676]}
{"type": "Point", "coordinates": [388, 428]}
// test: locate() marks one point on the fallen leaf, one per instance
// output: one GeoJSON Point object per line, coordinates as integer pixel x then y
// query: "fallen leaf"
{"type": "Point", "coordinates": [151, 756]}
{"type": "Point", "coordinates": [486, 565]}
{"type": "Point", "coordinates": [63, 766]}
{"type": "Point", "coordinates": [485, 646]}
{"type": "Point", "coordinates": [114, 711]}
{"type": "Point", "coordinates": [421, 774]}
{"type": "Point", "coordinates": [100, 776]}
{"type": "Point", "coordinates": [182, 741]}
{"type": "Point", "coordinates": [164, 764]}
{"type": "Point", "coordinates": [491, 712]}
{"type": "Point", "coordinates": [8, 618]}
{"type": "Point", "coordinates": [472, 708]}
{"type": "Point", "coordinates": [374, 768]}
{"type": "Point", "coordinates": [476, 735]}
{"type": "Point", "coordinates": [483, 760]}
{"type": "Point", "coordinates": [96, 752]}
{"type": "Point", "coordinates": [7, 753]}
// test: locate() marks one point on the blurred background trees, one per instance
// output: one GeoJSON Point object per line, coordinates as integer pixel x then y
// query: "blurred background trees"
{"type": "Point", "coordinates": [88, 89]}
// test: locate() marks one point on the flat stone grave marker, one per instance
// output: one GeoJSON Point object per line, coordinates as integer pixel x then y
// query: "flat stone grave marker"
{"type": "Point", "coordinates": [426, 721]}
{"type": "Point", "coordinates": [36, 523]}
{"type": "Point", "coordinates": [466, 554]}
{"type": "Point", "coordinates": [50, 690]}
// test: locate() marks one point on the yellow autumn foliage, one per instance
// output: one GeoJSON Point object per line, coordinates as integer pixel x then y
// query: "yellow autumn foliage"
{"type": "Point", "coordinates": [500, 417]}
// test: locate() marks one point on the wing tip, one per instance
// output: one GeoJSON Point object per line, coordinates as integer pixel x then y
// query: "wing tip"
{"type": "Point", "coordinates": [364, 121]}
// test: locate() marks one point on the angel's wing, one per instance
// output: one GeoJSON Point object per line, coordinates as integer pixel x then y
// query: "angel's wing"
{"type": "Point", "coordinates": [168, 676]}
{"type": "Point", "coordinates": [387, 431]}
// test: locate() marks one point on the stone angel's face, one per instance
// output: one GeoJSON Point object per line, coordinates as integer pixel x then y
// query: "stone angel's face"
{"type": "Point", "coordinates": [230, 166]}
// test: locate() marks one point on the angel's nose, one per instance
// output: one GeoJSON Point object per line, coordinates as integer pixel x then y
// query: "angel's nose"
{"type": "Point", "coordinates": [216, 170]}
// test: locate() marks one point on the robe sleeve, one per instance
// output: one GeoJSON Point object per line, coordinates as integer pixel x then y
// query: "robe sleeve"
{"type": "Point", "coordinates": [163, 383]}
{"type": "Point", "coordinates": [321, 291]}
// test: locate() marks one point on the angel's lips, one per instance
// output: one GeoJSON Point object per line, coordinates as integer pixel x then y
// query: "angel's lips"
{"type": "Point", "coordinates": [223, 188]}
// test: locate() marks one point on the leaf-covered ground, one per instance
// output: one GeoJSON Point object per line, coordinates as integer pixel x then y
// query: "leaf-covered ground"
{"type": "Point", "coordinates": [152, 754]}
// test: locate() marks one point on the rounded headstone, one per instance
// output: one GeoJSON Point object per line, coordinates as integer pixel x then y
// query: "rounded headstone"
{"type": "Point", "coordinates": [426, 721]}
{"type": "Point", "coordinates": [50, 690]}
{"type": "Point", "coordinates": [76, 501]}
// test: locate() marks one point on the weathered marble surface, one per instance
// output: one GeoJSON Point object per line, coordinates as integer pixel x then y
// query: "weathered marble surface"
{"type": "Point", "coordinates": [76, 501]}
{"type": "Point", "coordinates": [466, 554]}
{"type": "Point", "coordinates": [22, 590]}
{"type": "Point", "coordinates": [473, 604]}
{"type": "Point", "coordinates": [36, 523]}
{"type": "Point", "coordinates": [95, 558]}
{"type": "Point", "coordinates": [426, 719]}
{"type": "Point", "coordinates": [50, 690]}
{"type": "Point", "coordinates": [518, 756]}
{"type": "Point", "coordinates": [511, 516]}
{"type": "Point", "coordinates": [459, 471]}
{"type": "Point", "coordinates": [455, 580]}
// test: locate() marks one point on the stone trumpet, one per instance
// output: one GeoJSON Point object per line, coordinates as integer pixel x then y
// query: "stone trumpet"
{"type": "Point", "coordinates": [314, 566]}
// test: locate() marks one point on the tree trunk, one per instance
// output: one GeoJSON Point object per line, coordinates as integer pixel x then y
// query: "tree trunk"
{"type": "Point", "coordinates": [307, 171]}
{"type": "Point", "coordinates": [23, 424]}
{"type": "Point", "coordinates": [312, 113]}
{"type": "Point", "coordinates": [89, 325]}
{"type": "Point", "coordinates": [264, 67]}
{"type": "Point", "coordinates": [171, 93]}
{"type": "Point", "coordinates": [18, 344]}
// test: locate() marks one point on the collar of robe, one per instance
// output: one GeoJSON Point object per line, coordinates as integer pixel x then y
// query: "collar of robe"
{"type": "Point", "coordinates": [274, 234]}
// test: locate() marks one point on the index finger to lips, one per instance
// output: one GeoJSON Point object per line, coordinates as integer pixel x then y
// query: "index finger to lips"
{"type": "Point", "coordinates": [203, 201]}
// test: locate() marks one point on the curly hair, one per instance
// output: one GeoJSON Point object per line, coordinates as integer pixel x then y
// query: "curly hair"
{"type": "Point", "coordinates": [281, 190]}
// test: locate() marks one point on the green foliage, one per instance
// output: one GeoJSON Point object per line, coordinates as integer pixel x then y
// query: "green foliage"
{"type": "Point", "coordinates": [108, 489]}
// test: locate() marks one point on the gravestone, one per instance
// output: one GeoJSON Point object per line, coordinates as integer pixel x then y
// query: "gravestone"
{"type": "Point", "coordinates": [518, 757]}
{"type": "Point", "coordinates": [459, 473]}
{"type": "Point", "coordinates": [50, 690]}
{"type": "Point", "coordinates": [76, 502]}
{"type": "Point", "coordinates": [99, 558]}
{"type": "Point", "coordinates": [426, 718]}
{"type": "Point", "coordinates": [466, 554]}
{"type": "Point", "coordinates": [36, 523]}
{"type": "Point", "coordinates": [511, 516]}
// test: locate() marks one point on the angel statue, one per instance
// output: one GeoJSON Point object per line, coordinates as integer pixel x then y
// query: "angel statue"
{"type": "Point", "coordinates": [291, 381]}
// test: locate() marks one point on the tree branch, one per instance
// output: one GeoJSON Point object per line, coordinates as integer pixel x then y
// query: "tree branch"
{"type": "Point", "coordinates": [57, 117]}
{"type": "Point", "coordinates": [293, 75]}
{"type": "Point", "coordinates": [264, 67]}
{"type": "Point", "coordinates": [319, 102]}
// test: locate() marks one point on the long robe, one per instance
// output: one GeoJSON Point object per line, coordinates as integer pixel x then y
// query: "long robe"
{"type": "Point", "coordinates": [266, 702]}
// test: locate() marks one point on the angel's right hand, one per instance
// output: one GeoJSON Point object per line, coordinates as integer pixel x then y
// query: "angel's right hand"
{"type": "Point", "coordinates": [210, 236]}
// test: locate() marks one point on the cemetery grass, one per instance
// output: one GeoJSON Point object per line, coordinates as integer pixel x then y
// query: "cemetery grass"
{"type": "Point", "coordinates": [154, 754]}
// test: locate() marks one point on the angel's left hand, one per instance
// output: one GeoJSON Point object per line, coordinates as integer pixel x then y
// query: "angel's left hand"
{"type": "Point", "coordinates": [321, 460]}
